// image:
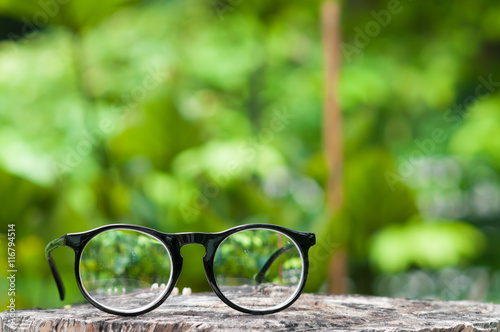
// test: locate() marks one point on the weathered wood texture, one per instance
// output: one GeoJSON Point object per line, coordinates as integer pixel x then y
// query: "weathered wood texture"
{"type": "Point", "coordinates": [205, 312]}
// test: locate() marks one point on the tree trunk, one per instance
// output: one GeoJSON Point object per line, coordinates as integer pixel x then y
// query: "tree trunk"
{"type": "Point", "coordinates": [205, 312]}
{"type": "Point", "coordinates": [332, 136]}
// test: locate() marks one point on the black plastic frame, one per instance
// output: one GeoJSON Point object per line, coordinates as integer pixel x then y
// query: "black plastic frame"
{"type": "Point", "coordinates": [174, 243]}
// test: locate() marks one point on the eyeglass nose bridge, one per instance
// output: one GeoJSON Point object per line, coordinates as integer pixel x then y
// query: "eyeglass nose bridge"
{"type": "Point", "coordinates": [193, 238]}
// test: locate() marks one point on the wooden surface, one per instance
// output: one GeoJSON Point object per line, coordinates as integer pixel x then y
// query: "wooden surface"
{"type": "Point", "coordinates": [205, 312]}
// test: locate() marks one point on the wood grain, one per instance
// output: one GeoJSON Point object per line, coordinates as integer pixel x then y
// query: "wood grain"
{"type": "Point", "coordinates": [205, 312]}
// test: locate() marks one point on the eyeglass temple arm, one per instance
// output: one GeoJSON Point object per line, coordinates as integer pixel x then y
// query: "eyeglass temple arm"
{"type": "Point", "coordinates": [270, 261]}
{"type": "Point", "coordinates": [48, 253]}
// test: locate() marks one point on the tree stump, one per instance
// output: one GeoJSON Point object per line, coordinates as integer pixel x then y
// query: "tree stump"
{"type": "Point", "coordinates": [205, 312]}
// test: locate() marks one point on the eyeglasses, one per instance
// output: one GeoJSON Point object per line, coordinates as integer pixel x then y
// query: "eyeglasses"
{"type": "Point", "coordinates": [130, 270]}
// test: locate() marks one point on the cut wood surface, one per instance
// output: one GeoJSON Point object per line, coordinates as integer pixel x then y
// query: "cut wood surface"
{"type": "Point", "coordinates": [205, 312]}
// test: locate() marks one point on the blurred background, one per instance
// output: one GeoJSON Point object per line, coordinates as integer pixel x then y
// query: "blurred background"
{"type": "Point", "coordinates": [188, 115]}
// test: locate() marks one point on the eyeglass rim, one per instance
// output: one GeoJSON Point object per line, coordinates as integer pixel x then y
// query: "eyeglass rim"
{"type": "Point", "coordinates": [277, 307]}
{"type": "Point", "coordinates": [174, 241]}
{"type": "Point", "coordinates": [94, 302]}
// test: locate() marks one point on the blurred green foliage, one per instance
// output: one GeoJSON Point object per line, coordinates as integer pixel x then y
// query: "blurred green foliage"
{"type": "Point", "coordinates": [121, 258]}
{"type": "Point", "coordinates": [197, 116]}
{"type": "Point", "coordinates": [242, 257]}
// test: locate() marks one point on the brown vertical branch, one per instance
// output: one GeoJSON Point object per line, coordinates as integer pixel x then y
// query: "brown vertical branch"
{"type": "Point", "coordinates": [332, 134]}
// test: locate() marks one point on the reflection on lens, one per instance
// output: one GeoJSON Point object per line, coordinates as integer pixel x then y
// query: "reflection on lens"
{"type": "Point", "coordinates": [258, 269]}
{"type": "Point", "coordinates": [125, 270]}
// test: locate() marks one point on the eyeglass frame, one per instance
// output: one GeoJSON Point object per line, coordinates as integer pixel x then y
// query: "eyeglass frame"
{"type": "Point", "coordinates": [173, 243]}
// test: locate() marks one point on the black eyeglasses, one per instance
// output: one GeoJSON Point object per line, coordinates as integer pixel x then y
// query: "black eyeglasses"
{"type": "Point", "coordinates": [130, 270]}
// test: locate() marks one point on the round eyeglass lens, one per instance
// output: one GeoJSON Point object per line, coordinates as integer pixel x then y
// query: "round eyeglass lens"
{"type": "Point", "coordinates": [258, 269]}
{"type": "Point", "coordinates": [125, 270]}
